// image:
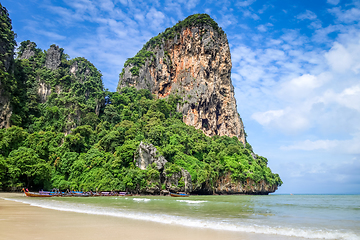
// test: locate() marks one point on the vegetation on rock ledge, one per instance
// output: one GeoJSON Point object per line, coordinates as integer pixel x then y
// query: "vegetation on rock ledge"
{"type": "Point", "coordinates": [76, 135]}
{"type": "Point", "coordinates": [145, 53]}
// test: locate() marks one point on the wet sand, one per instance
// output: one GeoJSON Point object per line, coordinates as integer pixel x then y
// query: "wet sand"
{"type": "Point", "coordinates": [23, 221]}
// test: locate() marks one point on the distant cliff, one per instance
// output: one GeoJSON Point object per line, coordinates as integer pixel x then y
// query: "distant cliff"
{"type": "Point", "coordinates": [192, 59]}
{"type": "Point", "coordinates": [7, 44]}
{"type": "Point", "coordinates": [180, 131]}
{"type": "Point", "coordinates": [72, 88]}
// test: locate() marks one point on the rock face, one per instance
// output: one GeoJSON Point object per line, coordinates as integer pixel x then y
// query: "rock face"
{"type": "Point", "coordinates": [5, 110]}
{"type": "Point", "coordinates": [146, 155]}
{"type": "Point", "coordinates": [44, 91]}
{"type": "Point", "coordinates": [193, 61]}
{"type": "Point", "coordinates": [7, 44]}
{"type": "Point", "coordinates": [224, 185]}
{"type": "Point", "coordinates": [53, 57]}
{"type": "Point", "coordinates": [178, 181]}
{"type": "Point", "coordinates": [29, 51]}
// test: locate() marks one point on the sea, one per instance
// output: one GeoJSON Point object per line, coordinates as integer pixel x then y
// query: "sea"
{"type": "Point", "coordinates": [306, 216]}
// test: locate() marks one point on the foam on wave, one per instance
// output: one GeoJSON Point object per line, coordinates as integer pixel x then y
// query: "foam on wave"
{"type": "Point", "coordinates": [191, 201]}
{"type": "Point", "coordinates": [192, 222]}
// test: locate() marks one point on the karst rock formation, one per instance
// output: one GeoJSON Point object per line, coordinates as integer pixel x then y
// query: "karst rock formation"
{"type": "Point", "coordinates": [191, 60]}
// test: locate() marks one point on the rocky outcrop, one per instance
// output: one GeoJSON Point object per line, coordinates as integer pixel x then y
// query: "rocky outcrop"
{"type": "Point", "coordinates": [146, 155]}
{"type": "Point", "coordinates": [173, 181]}
{"type": "Point", "coordinates": [44, 91]}
{"type": "Point", "coordinates": [178, 181]}
{"type": "Point", "coordinates": [5, 110]}
{"type": "Point", "coordinates": [192, 60]}
{"type": "Point", "coordinates": [224, 185]}
{"type": "Point", "coordinates": [7, 44]}
{"type": "Point", "coordinates": [53, 57]}
{"type": "Point", "coordinates": [29, 51]}
{"type": "Point", "coordinates": [80, 74]}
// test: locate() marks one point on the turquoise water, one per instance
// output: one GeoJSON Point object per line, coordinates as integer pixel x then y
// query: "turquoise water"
{"type": "Point", "coordinates": [308, 216]}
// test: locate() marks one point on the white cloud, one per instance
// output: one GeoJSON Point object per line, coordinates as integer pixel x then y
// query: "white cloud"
{"type": "Point", "coordinates": [307, 15]}
{"type": "Point", "coordinates": [287, 120]}
{"type": "Point", "coordinates": [264, 27]}
{"type": "Point", "coordinates": [348, 146]}
{"type": "Point", "coordinates": [156, 18]}
{"type": "Point", "coordinates": [191, 4]}
{"type": "Point", "coordinates": [301, 87]}
{"type": "Point", "coordinates": [333, 2]}
{"type": "Point", "coordinates": [245, 3]}
{"type": "Point", "coordinates": [343, 58]}
{"type": "Point", "coordinates": [347, 16]}
{"type": "Point", "coordinates": [349, 97]}
{"type": "Point", "coordinates": [249, 14]}
{"type": "Point", "coordinates": [264, 118]}
{"type": "Point", "coordinates": [339, 58]}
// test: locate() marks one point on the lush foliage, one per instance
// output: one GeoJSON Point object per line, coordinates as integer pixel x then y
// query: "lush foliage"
{"type": "Point", "coordinates": [146, 52]}
{"type": "Point", "coordinates": [101, 155]}
{"type": "Point", "coordinates": [68, 132]}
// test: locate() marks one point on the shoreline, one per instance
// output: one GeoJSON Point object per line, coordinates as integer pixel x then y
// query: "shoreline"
{"type": "Point", "coordinates": [19, 220]}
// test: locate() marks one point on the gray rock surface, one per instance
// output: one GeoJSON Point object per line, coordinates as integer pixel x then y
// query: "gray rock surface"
{"type": "Point", "coordinates": [146, 155]}
{"type": "Point", "coordinates": [224, 185]}
{"type": "Point", "coordinates": [29, 51]}
{"type": "Point", "coordinates": [44, 91]}
{"type": "Point", "coordinates": [178, 181]}
{"type": "Point", "coordinates": [196, 66]}
{"type": "Point", "coordinates": [53, 57]}
{"type": "Point", "coordinates": [5, 110]}
{"type": "Point", "coordinates": [6, 59]}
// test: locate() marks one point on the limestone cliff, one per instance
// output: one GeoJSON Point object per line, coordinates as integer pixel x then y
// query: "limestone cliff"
{"type": "Point", "coordinates": [191, 59]}
{"type": "Point", "coordinates": [174, 181]}
{"type": "Point", "coordinates": [53, 57]}
{"type": "Point", "coordinates": [7, 44]}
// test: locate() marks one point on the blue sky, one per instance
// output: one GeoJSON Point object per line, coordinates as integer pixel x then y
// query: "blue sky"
{"type": "Point", "coordinates": [296, 70]}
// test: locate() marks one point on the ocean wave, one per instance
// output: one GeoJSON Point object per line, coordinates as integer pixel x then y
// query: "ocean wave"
{"type": "Point", "coordinates": [141, 199]}
{"type": "Point", "coordinates": [191, 201]}
{"type": "Point", "coordinates": [190, 221]}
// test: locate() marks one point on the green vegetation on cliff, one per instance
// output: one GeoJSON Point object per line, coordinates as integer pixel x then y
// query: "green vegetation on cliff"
{"type": "Point", "coordinates": [101, 155]}
{"type": "Point", "coordinates": [68, 132]}
{"type": "Point", "coordinates": [145, 53]}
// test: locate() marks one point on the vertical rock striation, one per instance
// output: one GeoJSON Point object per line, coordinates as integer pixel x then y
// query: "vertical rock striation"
{"type": "Point", "coordinates": [53, 57]}
{"type": "Point", "coordinates": [7, 44]}
{"type": "Point", "coordinates": [191, 59]}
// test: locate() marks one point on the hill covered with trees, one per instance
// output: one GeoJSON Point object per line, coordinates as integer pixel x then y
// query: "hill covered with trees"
{"type": "Point", "coordinates": [64, 130]}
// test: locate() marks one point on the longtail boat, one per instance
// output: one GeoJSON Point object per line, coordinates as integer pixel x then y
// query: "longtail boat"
{"type": "Point", "coordinates": [179, 195]}
{"type": "Point", "coordinates": [40, 194]}
{"type": "Point", "coordinates": [73, 194]}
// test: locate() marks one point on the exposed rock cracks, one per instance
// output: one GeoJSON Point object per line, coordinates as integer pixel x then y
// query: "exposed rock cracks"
{"type": "Point", "coordinates": [196, 65]}
{"type": "Point", "coordinates": [53, 57]}
{"type": "Point", "coordinates": [147, 156]}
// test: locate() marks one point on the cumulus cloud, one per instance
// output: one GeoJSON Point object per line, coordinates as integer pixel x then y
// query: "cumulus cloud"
{"type": "Point", "coordinates": [348, 146]}
{"type": "Point", "coordinates": [156, 18]}
{"type": "Point", "coordinates": [288, 120]}
{"type": "Point", "coordinates": [343, 58]}
{"type": "Point", "coordinates": [347, 16]}
{"type": "Point", "coordinates": [264, 27]}
{"type": "Point", "coordinates": [304, 88]}
{"type": "Point", "coordinates": [245, 3]}
{"type": "Point", "coordinates": [250, 14]}
{"type": "Point", "coordinates": [307, 15]}
{"type": "Point", "coordinates": [333, 2]}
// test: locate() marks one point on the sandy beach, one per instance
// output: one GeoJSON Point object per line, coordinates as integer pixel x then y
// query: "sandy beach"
{"type": "Point", "coordinates": [23, 221]}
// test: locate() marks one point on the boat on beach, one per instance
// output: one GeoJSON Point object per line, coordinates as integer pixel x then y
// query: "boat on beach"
{"type": "Point", "coordinates": [34, 194]}
{"type": "Point", "coordinates": [73, 194]}
{"type": "Point", "coordinates": [179, 195]}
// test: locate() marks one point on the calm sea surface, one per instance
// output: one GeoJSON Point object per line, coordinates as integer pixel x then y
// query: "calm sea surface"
{"type": "Point", "coordinates": [308, 216]}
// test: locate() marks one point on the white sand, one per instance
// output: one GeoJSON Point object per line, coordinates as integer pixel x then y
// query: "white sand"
{"type": "Point", "coordinates": [22, 221]}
